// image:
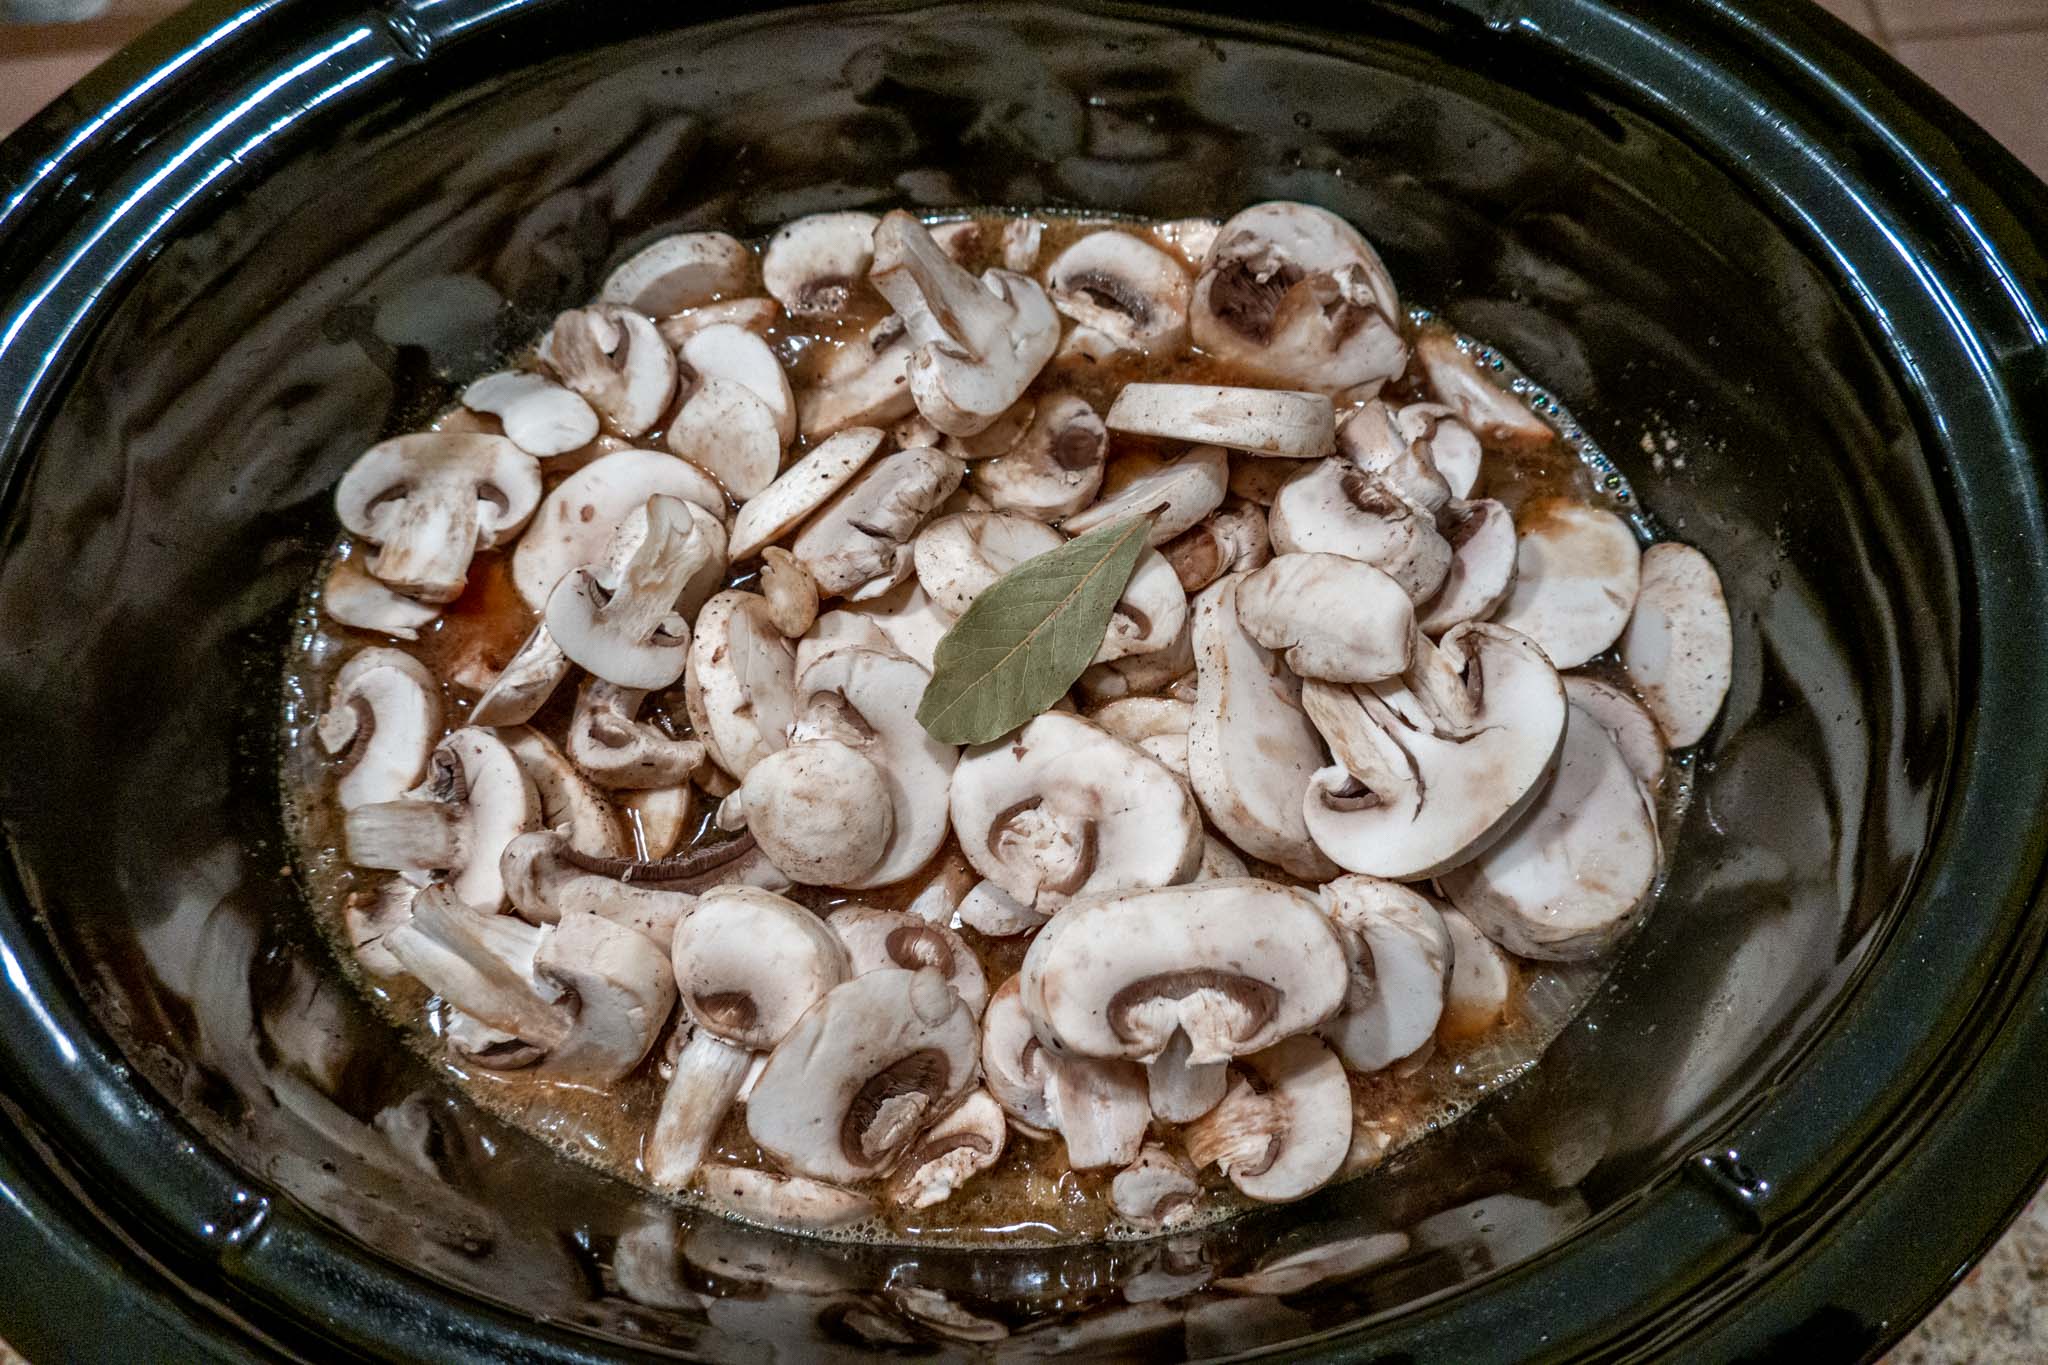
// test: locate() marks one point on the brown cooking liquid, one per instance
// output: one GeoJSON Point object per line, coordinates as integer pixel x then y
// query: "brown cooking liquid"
{"type": "Point", "coordinates": [1031, 1193]}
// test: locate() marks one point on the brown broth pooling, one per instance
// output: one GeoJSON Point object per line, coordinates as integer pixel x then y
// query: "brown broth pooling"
{"type": "Point", "coordinates": [1030, 1193]}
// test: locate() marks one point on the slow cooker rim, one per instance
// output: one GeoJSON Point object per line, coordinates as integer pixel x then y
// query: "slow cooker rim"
{"type": "Point", "coordinates": [68, 190]}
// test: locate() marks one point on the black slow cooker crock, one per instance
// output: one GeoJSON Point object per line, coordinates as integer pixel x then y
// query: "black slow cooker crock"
{"type": "Point", "coordinates": [1797, 297]}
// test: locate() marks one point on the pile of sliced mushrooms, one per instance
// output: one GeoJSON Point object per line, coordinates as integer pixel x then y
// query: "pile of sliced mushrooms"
{"type": "Point", "coordinates": [1376, 724]}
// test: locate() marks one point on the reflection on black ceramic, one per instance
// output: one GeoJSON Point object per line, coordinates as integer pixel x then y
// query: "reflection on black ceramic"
{"type": "Point", "coordinates": [392, 235]}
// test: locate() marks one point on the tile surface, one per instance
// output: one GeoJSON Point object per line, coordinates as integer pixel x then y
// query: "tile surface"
{"type": "Point", "coordinates": [1998, 1315]}
{"type": "Point", "coordinates": [1904, 18]}
{"type": "Point", "coordinates": [1999, 79]}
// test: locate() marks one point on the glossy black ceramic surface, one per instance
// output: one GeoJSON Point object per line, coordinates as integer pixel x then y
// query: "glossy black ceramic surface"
{"type": "Point", "coordinates": [1795, 295]}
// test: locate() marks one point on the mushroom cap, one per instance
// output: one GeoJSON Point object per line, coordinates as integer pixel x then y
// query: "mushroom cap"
{"type": "Point", "coordinates": [1279, 422]}
{"type": "Point", "coordinates": [1679, 647]}
{"type": "Point", "coordinates": [430, 500]}
{"type": "Point", "coordinates": [1375, 442]}
{"type": "Point", "coordinates": [1054, 468]}
{"type": "Point", "coordinates": [730, 432]}
{"type": "Point", "coordinates": [1564, 884]}
{"type": "Point", "coordinates": [781, 1201]}
{"type": "Point", "coordinates": [1294, 295]}
{"type": "Point", "coordinates": [1577, 569]}
{"type": "Point", "coordinates": [968, 1140]}
{"type": "Point", "coordinates": [1627, 722]}
{"type": "Point", "coordinates": [1237, 964]}
{"type": "Point", "coordinates": [623, 990]}
{"type": "Point", "coordinates": [580, 515]}
{"type": "Point", "coordinates": [738, 356]}
{"type": "Point", "coordinates": [1251, 748]}
{"type": "Point", "coordinates": [1337, 619]}
{"type": "Point", "coordinates": [627, 631]}
{"type": "Point", "coordinates": [1482, 573]}
{"type": "Point", "coordinates": [1158, 1190]}
{"type": "Point", "coordinates": [1332, 507]}
{"type": "Point", "coordinates": [568, 799]}
{"type": "Point", "coordinates": [859, 544]}
{"type": "Point", "coordinates": [1124, 287]}
{"type": "Point", "coordinates": [685, 270]}
{"type": "Point", "coordinates": [621, 752]}
{"type": "Point", "coordinates": [1303, 1081]}
{"type": "Point", "coordinates": [1232, 537]}
{"type": "Point", "coordinates": [740, 685]}
{"type": "Point", "coordinates": [383, 713]}
{"type": "Point", "coordinates": [1415, 793]}
{"type": "Point", "coordinates": [876, 939]}
{"type": "Point", "coordinates": [865, 383]}
{"type": "Point", "coordinates": [1400, 969]}
{"type": "Point", "coordinates": [353, 597]}
{"type": "Point", "coordinates": [1062, 810]}
{"type": "Point", "coordinates": [904, 619]}
{"type": "Point", "coordinates": [802, 489]}
{"type": "Point", "coordinates": [1486, 409]}
{"type": "Point", "coordinates": [615, 358]}
{"type": "Point", "coordinates": [882, 689]}
{"type": "Point", "coordinates": [1151, 615]}
{"type": "Point", "coordinates": [539, 416]}
{"type": "Point", "coordinates": [1476, 997]}
{"type": "Point", "coordinates": [863, 1072]}
{"type": "Point", "coordinates": [815, 266]}
{"type": "Point", "coordinates": [957, 556]}
{"type": "Point", "coordinates": [988, 909]}
{"type": "Point", "coordinates": [1177, 494]}
{"type": "Point", "coordinates": [749, 963]}
{"type": "Point", "coordinates": [820, 810]}
{"type": "Point", "coordinates": [1015, 1065]}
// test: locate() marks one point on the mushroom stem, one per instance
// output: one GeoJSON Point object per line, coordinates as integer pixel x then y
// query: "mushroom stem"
{"type": "Point", "coordinates": [1182, 1091]}
{"type": "Point", "coordinates": [1241, 1135]}
{"type": "Point", "coordinates": [481, 962]}
{"type": "Point", "coordinates": [708, 1076]}
{"type": "Point", "coordinates": [1101, 1110]}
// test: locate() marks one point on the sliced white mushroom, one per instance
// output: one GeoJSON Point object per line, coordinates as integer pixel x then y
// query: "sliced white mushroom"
{"type": "Point", "coordinates": [730, 432]}
{"type": "Point", "coordinates": [865, 382]}
{"type": "Point", "coordinates": [1400, 957]}
{"type": "Point", "coordinates": [977, 344]}
{"type": "Point", "coordinates": [740, 686]}
{"type": "Point", "coordinates": [613, 356]}
{"type": "Point", "coordinates": [1577, 569]}
{"type": "Point", "coordinates": [1017, 1067]}
{"type": "Point", "coordinates": [367, 916]}
{"type": "Point", "coordinates": [802, 489]}
{"type": "Point", "coordinates": [1157, 725]}
{"type": "Point", "coordinates": [791, 592]}
{"type": "Point", "coordinates": [1259, 480]}
{"type": "Point", "coordinates": [619, 751]}
{"type": "Point", "coordinates": [1177, 494]}
{"type": "Point", "coordinates": [957, 556]}
{"type": "Point", "coordinates": [1165, 669]}
{"type": "Point", "coordinates": [739, 356]}
{"type": "Point", "coordinates": [546, 877]}
{"type": "Point", "coordinates": [526, 681]}
{"type": "Point", "coordinates": [1181, 1090]}
{"type": "Point", "coordinates": [748, 965]}
{"type": "Point", "coordinates": [1251, 748]}
{"type": "Point", "coordinates": [430, 501]}
{"type": "Point", "coordinates": [1486, 409]}
{"type": "Point", "coordinates": [1287, 1135]}
{"type": "Point", "coordinates": [1063, 810]}
{"type": "Point", "coordinates": [1293, 294]}
{"type": "Point", "coordinates": [539, 416]}
{"type": "Point", "coordinates": [781, 1201]}
{"type": "Point", "coordinates": [1190, 237]}
{"type": "Point", "coordinates": [687, 270]}
{"type": "Point", "coordinates": [580, 515]}
{"type": "Point", "coordinates": [476, 799]}
{"type": "Point", "coordinates": [1430, 772]}
{"type": "Point", "coordinates": [568, 800]}
{"type": "Point", "coordinates": [1124, 288]}
{"type": "Point", "coordinates": [1274, 422]}
{"type": "Point", "coordinates": [820, 809]}
{"type": "Point", "coordinates": [1054, 468]}
{"type": "Point", "coordinates": [1476, 998]}
{"type": "Point", "coordinates": [1333, 618]}
{"type": "Point", "coordinates": [967, 1141]}
{"type": "Point", "coordinates": [938, 901]}
{"type": "Point", "coordinates": [904, 619]}
{"type": "Point", "coordinates": [1097, 1106]}
{"type": "Point", "coordinates": [1566, 881]}
{"type": "Point", "coordinates": [1482, 572]}
{"type": "Point", "coordinates": [354, 598]}
{"type": "Point", "coordinates": [620, 987]}
{"type": "Point", "coordinates": [859, 544]}
{"type": "Point", "coordinates": [1438, 435]}
{"type": "Point", "coordinates": [988, 909]}
{"type": "Point", "coordinates": [866, 1070]}
{"type": "Point", "coordinates": [1158, 1190]}
{"type": "Point", "coordinates": [1219, 860]}
{"type": "Point", "coordinates": [483, 964]}
{"type": "Point", "coordinates": [815, 266]}
{"type": "Point", "coordinates": [756, 315]}
{"type": "Point", "coordinates": [1373, 442]}
{"type": "Point", "coordinates": [1022, 238]}
{"type": "Point", "coordinates": [1679, 647]}
{"type": "Point", "coordinates": [659, 817]}
{"type": "Point", "coordinates": [383, 716]}
{"type": "Point", "coordinates": [1627, 722]}
{"type": "Point", "coordinates": [627, 630]}
{"type": "Point", "coordinates": [1332, 507]}
{"type": "Point", "coordinates": [1227, 540]}
{"type": "Point", "coordinates": [1151, 615]}
{"type": "Point", "coordinates": [876, 939]}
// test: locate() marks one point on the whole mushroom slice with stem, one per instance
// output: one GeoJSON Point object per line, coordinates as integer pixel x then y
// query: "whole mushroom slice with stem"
{"type": "Point", "coordinates": [613, 356]}
{"type": "Point", "coordinates": [816, 266]}
{"type": "Point", "coordinates": [1292, 293]}
{"type": "Point", "coordinates": [1062, 810]}
{"type": "Point", "coordinates": [1482, 571]}
{"type": "Point", "coordinates": [1437, 434]}
{"type": "Point", "coordinates": [627, 630]}
{"type": "Point", "coordinates": [748, 965]}
{"type": "Point", "coordinates": [863, 1073]}
{"type": "Point", "coordinates": [1159, 1190]}
{"type": "Point", "coordinates": [619, 751]}
{"type": "Point", "coordinates": [781, 1201]}
{"type": "Point", "coordinates": [430, 501]}
{"type": "Point", "coordinates": [1577, 571]}
{"type": "Point", "coordinates": [1124, 288]}
{"type": "Point", "coordinates": [1333, 618]}
{"type": "Point", "coordinates": [684, 270]}
{"type": "Point", "coordinates": [1565, 883]}
{"type": "Point", "coordinates": [1054, 468]}
{"type": "Point", "coordinates": [1486, 409]}
{"type": "Point", "coordinates": [966, 1142]}
{"type": "Point", "coordinates": [865, 382]}
{"type": "Point", "coordinates": [1017, 1067]}
{"type": "Point", "coordinates": [802, 489]}
{"type": "Point", "coordinates": [740, 685]}
{"type": "Point", "coordinates": [1627, 722]}
{"type": "Point", "coordinates": [1373, 442]}
{"type": "Point", "coordinates": [977, 344]}
{"type": "Point", "coordinates": [1283, 1127]}
{"type": "Point", "coordinates": [354, 598]}
{"type": "Point", "coordinates": [1400, 956]}
{"type": "Point", "coordinates": [1097, 1106]}
{"type": "Point", "coordinates": [539, 416]}
{"type": "Point", "coordinates": [1482, 978]}
{"type": "Point", "coordinates": [1176, 494]}
{"type": "Point", "coordinates": [859, 544]}
{"type": "Point", "coordinates": [1426, 781]}
{"type": "Point", "coordinates": [1276, 422]}
{"type": "Point", "coordinates": [476, 799]}
{"type": "Point", "coordinates": [580, 516]}
{"type": "Point", "coordinates": [1251, 749]}
{"type": "Point", "coordinates": [621, 988]}
{"type": "Point", "coordinates": [876, 939]}
{"type": "Point", "coordinates": [1333, 507]}
{"type": "Point", "coordinates": [1679, 647]}
{"type": "Point", "coordinates": [568, 800]}
{"type": "Point", "coordinates": [382, 719]}
{"type": "Point", "coordinates": [1231, 538]}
